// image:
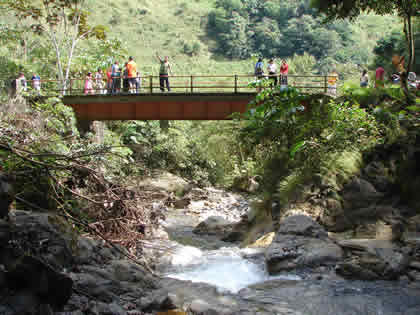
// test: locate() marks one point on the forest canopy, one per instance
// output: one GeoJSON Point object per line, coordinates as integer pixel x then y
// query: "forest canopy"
{"type": "Point", "coordinates": [243, 28]}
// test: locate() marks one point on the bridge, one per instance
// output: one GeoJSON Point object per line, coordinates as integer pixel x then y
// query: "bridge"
{"type": "Point", "coordinates": [191, 97]}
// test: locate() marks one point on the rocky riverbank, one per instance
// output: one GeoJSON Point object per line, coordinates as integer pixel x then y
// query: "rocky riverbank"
{"type": "Point", "coordinates": [46, 268]}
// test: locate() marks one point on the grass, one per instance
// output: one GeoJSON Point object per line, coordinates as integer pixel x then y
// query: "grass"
{"type": "Point", "coordinates": [150, 26]}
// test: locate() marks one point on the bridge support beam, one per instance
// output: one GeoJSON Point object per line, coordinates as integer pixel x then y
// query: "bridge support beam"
{"type": "Point", "coordinates": [168, 106]}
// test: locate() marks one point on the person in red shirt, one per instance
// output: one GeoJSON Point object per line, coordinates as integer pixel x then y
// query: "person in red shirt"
{"type": "Point", "coordinates": [380, 77]}
{"type": "Point", "coordinates": [284, 71]}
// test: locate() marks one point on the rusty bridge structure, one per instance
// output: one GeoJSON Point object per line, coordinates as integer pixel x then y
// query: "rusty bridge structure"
{"type": "Point", "coordinates": [193, 97]}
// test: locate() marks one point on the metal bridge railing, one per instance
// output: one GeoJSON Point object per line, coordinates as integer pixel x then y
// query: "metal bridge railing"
{"type": "Point", "coordinates": [150, 84]}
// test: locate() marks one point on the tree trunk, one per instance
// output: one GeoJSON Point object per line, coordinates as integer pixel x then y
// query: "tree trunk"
{"type": "Point", "coordinates": [408, 30]}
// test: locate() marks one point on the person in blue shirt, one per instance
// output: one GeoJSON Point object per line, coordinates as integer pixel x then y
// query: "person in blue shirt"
{"type": "Point", "coordinates": [259, 72]}
{"type": "Point", "coordinates": [116, 78]}
{"type": "Point", "coordinates": [259, 69]}
{"type": "Point", "coordinates": [36, 82]}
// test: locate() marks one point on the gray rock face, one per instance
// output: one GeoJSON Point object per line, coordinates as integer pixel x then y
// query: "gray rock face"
{"type": "Point", "coordinates": [289, 297]}
{"type": "Point", "coordinates": [301, 225]}
{"type": "Point", "coordinates": [213, 225]}
{"type": "Point", "coordinates": [372, 259]}
{"type": "Point", "coordinates": [301, 243]}
{"type": "Point", "coordinates": [6, 195]}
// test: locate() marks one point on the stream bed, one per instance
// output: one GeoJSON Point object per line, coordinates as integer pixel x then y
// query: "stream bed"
{"type": "Point", "coordinates": [205, 275]}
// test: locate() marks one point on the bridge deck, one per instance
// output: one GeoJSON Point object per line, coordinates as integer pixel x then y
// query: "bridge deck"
{"type": "Point", "coordinates": [162, 106]}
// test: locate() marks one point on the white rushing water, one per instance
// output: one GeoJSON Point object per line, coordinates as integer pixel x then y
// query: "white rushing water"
{"type": "Point", "coordinates": [225, 268]}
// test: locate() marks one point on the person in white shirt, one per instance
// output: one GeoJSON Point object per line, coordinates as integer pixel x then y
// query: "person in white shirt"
{"type": "Point", "coordinates": [364, 79]}
{"type": "Point", "coordinates": [99, 82]}
{"type": "Point", "coordinates": [272, 72]}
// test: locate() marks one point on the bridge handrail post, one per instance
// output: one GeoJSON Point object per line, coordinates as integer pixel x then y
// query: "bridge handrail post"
{"type": "Point", "coordinates": [325, 84]}
{"type": "Point", "coordinates": [191, 84]}
{"type": "Point", "coordinates": [236, 84]}
{"type": "Point", "coordinates": [151, 84]}
{"type": "Point", "coordinates": [71, 86]}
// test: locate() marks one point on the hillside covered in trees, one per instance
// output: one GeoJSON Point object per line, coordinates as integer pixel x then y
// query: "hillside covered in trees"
{"type": "Point", "coordinates": [203, 36]}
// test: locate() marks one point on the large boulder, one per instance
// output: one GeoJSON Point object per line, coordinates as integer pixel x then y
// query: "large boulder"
{"type": "Point", "coordinates": [49, 286]}
{"type": "Point", "coordinates": [6, 195]}
{"type": "Point", "coordinates": [359, 193]}
{"type": "Point", "coordinates": [301, 243]}
{"type": "Point", "coordinates": [370, 259]}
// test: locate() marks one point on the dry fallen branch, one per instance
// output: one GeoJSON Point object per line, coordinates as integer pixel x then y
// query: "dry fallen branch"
{"type": "Point", "coordinates": [114, 210]}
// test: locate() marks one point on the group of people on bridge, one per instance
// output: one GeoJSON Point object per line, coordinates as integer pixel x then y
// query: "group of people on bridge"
{"type": "Point", "coordinates": [128, 75]}
{"type": "Point", "coordinates": [394, 78]}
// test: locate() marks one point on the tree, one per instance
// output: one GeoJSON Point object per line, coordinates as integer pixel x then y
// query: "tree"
{"type": "Point", "coordinates": [406, 9]}
{"type": "Point", "coordinates": [65, 22]}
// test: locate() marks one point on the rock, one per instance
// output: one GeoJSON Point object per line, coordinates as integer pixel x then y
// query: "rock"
{"type": "Point", "coordinates": [181, 203]}
{"type": "Point", "coordinates": [214, 225]}
{"type": "Point", "coordinates": [288, 252]}
{"type": "Point", "coordinates": [108, 309]}
{"type": "Point", "coordinates": [86, 250]}
{"type": "Point", "coordinates": [201, 307]}
{"type": "Point", "coordinates": [415, 265]}
{"type": "Point", "coordinates": [167, 182]}
{"type": "Point", "coordinates": [234, 236]}
{"type": "Point", "coordinates": [360, 193]}
{"type": "Point", "coordinates": [372, 259]}
{"type": "Point", "coordinates": [197, 194]}
{"type": "Point", "coordinates": [50, 286]}
{"type": "Point", "coordinates": [414, 275]}
{"type": "Point", "coordinates": [264, 241]}
{"type": "Point", "coordinates": [40, 233]}
{"type": "Point", "coordinates": [414, 224]}
{"type": "Point", "coordinates": [6, 194]}
{"type": "Point", "coordinates": [301, 225]}
{"type": "Point", "coordinates": [301, 243]}
{"type": "Point", "coordinates": [4, 233]}
{"type": "Point", "coordinates": [125, 270]}
{"type": "Point", "coordinates": [45, 309]}
{"type": "Point", "coordinates": [173, 312]}
{"type": "Point", "coordinates": [24, 302]}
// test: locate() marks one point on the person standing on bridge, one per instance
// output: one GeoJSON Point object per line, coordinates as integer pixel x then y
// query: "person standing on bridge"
{"type": "Point", "coordinates": [99, 83]}
{"type": "Point", "coordinates": [132, 74]}
{"type": "Point", "coordinates": [88, 84]}
{"type": "Point", "coordinates": [284, 71]}
{"type": "Point", "coordinates": [36, 83]}
{"type": "Point", "coordinates": [164, 71]}
{"type": "Point", "coordinates": [259, 73]}
{"type": "Point", "coordinates": [116, 78]}
{"type": "Point", "coordinates": [109, 80]}
{"type": "Point", "coordinates": [272, 72]}
{"type": "Point", "coordinates": [332, 83]}
{"type": "Point", "coordinates": [380, 77]}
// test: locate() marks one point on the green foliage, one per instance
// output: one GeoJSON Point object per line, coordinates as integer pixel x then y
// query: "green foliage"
{"type": "Point", "coordinates": [295, 135]}
{"type": "Point", "coordinates": [283, 29]}
{"type": "Point", "coordinates": [395, 44]}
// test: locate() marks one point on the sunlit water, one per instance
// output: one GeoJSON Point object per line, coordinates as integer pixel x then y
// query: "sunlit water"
{"type": "Point", "coordinates": [226, 268]}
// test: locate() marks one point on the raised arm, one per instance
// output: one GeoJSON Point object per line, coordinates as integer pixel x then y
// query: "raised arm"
{"type": "Point", "coordinates": [158, 57]}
